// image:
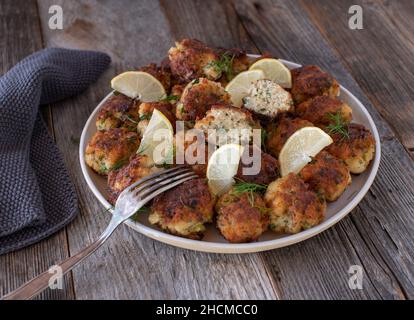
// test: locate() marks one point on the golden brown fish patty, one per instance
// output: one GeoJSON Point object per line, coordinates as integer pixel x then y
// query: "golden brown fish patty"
{"type": "Point", "coordinates": [139, 166]}
{"type": "Point", "coordinates": [241, 217]}
{"type": "Point", "coordinates": [161, 73]}
{"type": "Point", "coordinates": [279, 132]}
{"type": "Point", "coordinates": [184, 210]}
{"type": "Point", "coordinates": [323, 110]}
{"type": "Point", "coordinates": [327, 175]}
{"type": "Point", "coordinates": [311, 81]}
{"type": "Point", "coordinates": [357, 148]}
{"type": "Point", "coordinates": [293, 206]}
{"type": "Point", "coordinates": [110, 150]}
{"type": "Point", "coordinates": [118, 111]}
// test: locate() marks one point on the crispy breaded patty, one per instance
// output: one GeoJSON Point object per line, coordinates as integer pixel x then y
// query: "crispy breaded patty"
{"type": "Point", "coordinates": [177, 91]}
{"type": "Point", "coordinates": [311, 81]}
{"type": "Point", "coordinates": [109, 150]}
{"type": "Point", "coordinates": [198, 97]}
{"type": "Point", "coordinates": [147, 108]}
{"type": "Point", "coordinates": [268, 171]}
{"type": "Point", "coordinates": [191, 59]}
{"type": "Point", "coordinates": [357, 149]}
{"type": "Point", "coordinates": [241, 217]}
{"type": "Point", "coordinates": [267, 98]}
{"type": "Point", "coordinates": [167, 109]}
{"type": "Point", "coordinates": [326, 175]}
{"type": "Point", "coordinates": [194, 153]}
{"type": "Point", "coordinates": [227, 124]}
{"type": "Point", "coordinates": [279, 132]}
{"type": "Point", "coordinates": [184, 210]}
{"type": "Point", "coordinates": [161, 73]}
{"type": "Point", "coordinates": [293, 206]}
{"type": "Point", "coordinates": [321, 110]}
{"type": "Point", "coordinates": [232, 62]}
{"type": "Point", "coordinates": [119, 111]}
{"type": "Point", "coordinates": [139, 166]}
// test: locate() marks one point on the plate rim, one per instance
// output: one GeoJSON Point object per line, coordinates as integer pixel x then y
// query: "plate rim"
{"type": "Point", "coordinates": [237, 248]}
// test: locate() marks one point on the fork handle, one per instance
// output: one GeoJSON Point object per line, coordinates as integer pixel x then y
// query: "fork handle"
{"type": "Point", "coordinates": [41, 282]}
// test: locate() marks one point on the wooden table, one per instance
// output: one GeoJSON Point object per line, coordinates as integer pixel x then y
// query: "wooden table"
{"type": "Point", "coordinates": [375, 63]}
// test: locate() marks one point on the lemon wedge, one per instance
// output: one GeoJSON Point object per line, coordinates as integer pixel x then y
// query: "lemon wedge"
{"type": "Point", "coordinates": [158, 140]}
{"type": "Point", "coordinates": [239, 87]}
{"type": "Point", "coordinates": [274, 70]}
{"type": "Point", "coordinates": [139, 85]}
{"type": "Point", "coordinates": [300, 147]}
{"type": "Point", "coordinates": [222, 167]}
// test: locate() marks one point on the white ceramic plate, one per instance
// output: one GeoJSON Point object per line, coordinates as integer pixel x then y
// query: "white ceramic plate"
{"type": "Point", "coordinates": [213, 241]}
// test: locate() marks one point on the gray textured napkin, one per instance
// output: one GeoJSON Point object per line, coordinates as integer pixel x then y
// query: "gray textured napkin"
{"type": "Point", "coordinates": [36, 195]}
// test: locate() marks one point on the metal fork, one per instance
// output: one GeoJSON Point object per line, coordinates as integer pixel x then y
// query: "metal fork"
{"type": "Point", "coordinates": [129, 202]}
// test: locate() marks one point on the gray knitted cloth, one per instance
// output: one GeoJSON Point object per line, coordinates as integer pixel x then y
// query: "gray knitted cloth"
{"type": "Point", "coordinates": [36, 195]}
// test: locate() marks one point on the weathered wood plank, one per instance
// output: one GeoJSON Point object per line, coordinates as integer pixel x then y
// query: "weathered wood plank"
{"type": "Point", "coordinates": [131, 266]}
{"type": "Point", "coordinates": [20, 35]}
{"type": "Point", "coordinates": [380, 230]}
{"type": "Point", "coordinates": [379, 56]}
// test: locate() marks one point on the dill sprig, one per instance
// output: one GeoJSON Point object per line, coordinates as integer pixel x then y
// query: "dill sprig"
{"type": "Point", "coordinates": [224, 65]}
{"type": "Point", "coordinates": [170, 98]}
{"type": "Point", "coordinates": [338, 126]}
{"type": "Point", "coordinates": [250, 189]}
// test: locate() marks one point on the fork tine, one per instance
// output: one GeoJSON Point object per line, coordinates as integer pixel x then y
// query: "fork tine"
{"type": "Point", "coordinates": [165, 188]}
{"type": "Point", "coordinates": [143, 193]}
{"type": "Point", "coordinates": [153, 175]}
{"type": "Point", "coordinates": [159, 179]}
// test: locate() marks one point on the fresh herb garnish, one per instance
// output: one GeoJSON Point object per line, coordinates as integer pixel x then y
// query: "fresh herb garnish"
{"type": "Point", "coordinates": [195, 81]}
{"type": "Point", "coordinates": [338, 126]}
{"type": "Point", "coordinates": [242, 187]}
{"type": "Point", "coordinates": [145, 117]}
{"type": "Point", "coordinates": [224, 65]}
{"type": "Point", "coordinates": [125, 117]}
{"type": "Point", "coordinates": [170, 98]}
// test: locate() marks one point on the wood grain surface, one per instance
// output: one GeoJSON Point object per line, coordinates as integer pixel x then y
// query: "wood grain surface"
{"type": "Point", "coordinates": [374, 63]}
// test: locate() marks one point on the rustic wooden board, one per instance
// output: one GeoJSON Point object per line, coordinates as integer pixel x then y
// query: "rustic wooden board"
{"type": "Point", "coordinates": [20, 35]}
{"type": "Point", "coordinates": [385, 216]}
{"type": "Point", "coordinates": [379, 56]}
{"type": "Point", "coordinates": [377, 235]}
{"type": "Point", "coordinates": [130, 266]}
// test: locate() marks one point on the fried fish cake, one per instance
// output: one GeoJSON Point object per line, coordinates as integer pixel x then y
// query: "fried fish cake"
{"type": "Point", "coordinates": [161, 73]}
{"type": "Point", "coordinates": [323, 110]}
{"type": "Point", "coordinates": [184, 210]}
{"type": "Point", "coordinates": [225, 124]}
{"type": "Point", "coordinates": [327, 175]}
{"type": "Point", "coordinates": [293, 207]}
{"type": "Point", "coordinates": [251, 172]}
{"type": "Point", "coordinates": [279, 132]}
{"type": "Point", "coordinates": [192, 59]}
{"type": "Point", "coordinates": [198, 97]}
{"type": "Point", "coordinates": [268, 99]}
{"type": "Point", "coordinates": [356, 147]}
{"type": "Point", "coordinates": [109, 150]}
{"type": "Point", "coordinates": [139, 166]}
{"type": "Point", "coordinates": [232, 62]}
{"type": "Point", "coordinates": [241, 217]}
{"type": "Point", "coordinates": [311, 81]}
{"type": "Point", "coordinates": [119, 111]}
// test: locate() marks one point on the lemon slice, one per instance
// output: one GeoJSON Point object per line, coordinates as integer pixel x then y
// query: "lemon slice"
{"type": "Point", "coordinates": [239, 87]}
{"type": "Point", "coordinates": [274, 70]}
{"type": "Point", "coordinates": [139, 85]}
{"type": "Point", "coordinates": [300, 147]}
{"type": "Point", "coordinates": [222, 167]}
{"type": "Point", "coordinates": [158, 140]}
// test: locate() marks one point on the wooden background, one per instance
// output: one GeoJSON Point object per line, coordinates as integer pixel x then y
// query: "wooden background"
{"type": "Point", "coordinates": [375, 63]}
